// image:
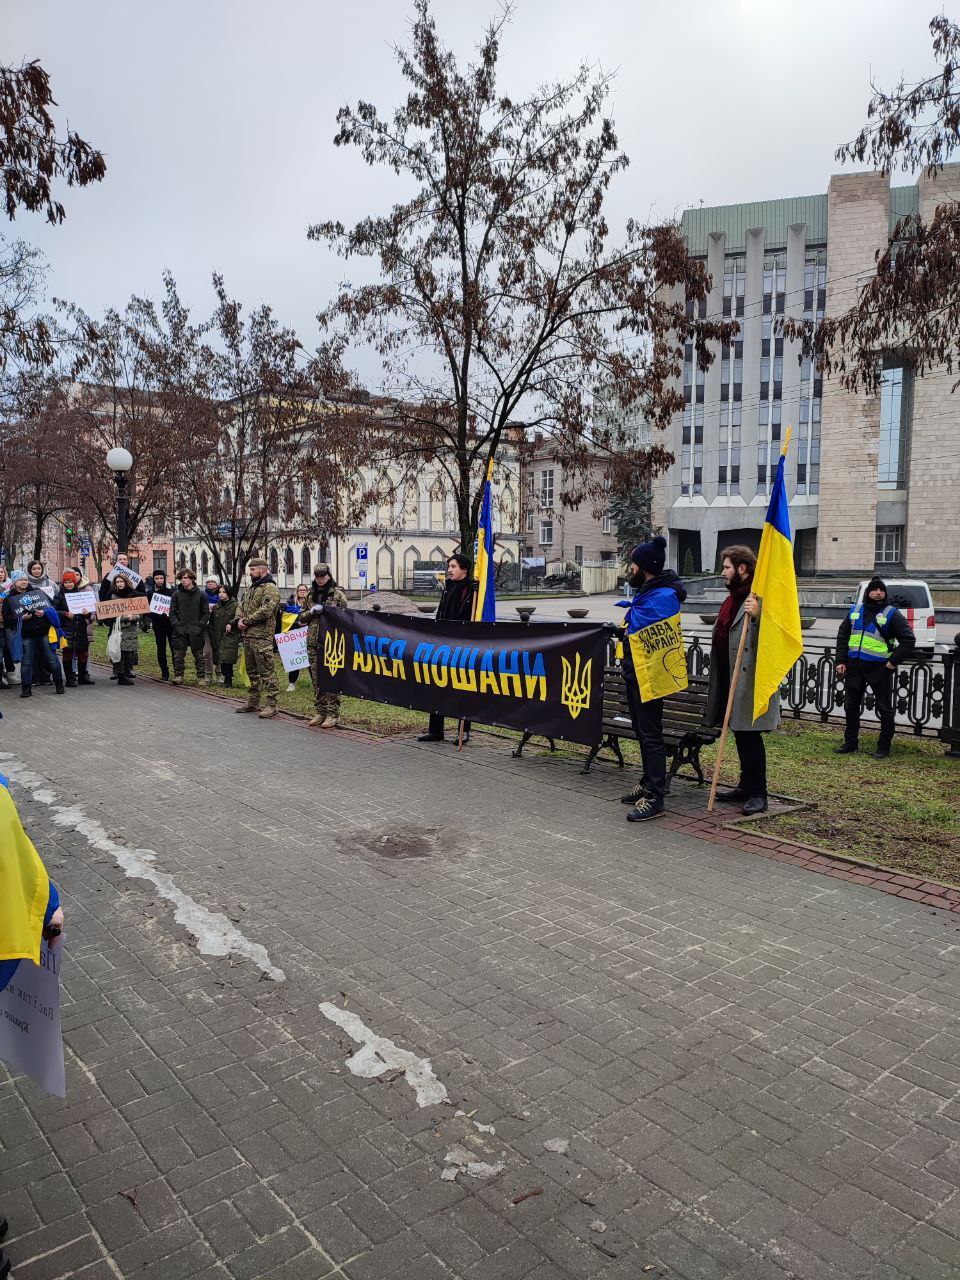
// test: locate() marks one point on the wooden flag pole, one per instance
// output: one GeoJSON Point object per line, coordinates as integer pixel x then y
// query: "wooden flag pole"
{"type": "Point", "coordinates": [726, 719]}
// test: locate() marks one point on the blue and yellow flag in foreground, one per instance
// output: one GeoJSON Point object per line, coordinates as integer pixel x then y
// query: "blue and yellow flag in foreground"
{"type": "Point", "coordinates": [485, 603]}
{"type": "Point", "coordinates": [779, 644]}
{"type": "Point", "coordinates": [656, 643]}
{"type": "Point", "coordinates": [24, 886]}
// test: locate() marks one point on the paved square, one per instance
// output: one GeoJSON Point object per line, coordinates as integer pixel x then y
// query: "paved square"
{"type": "Point", "coordinates": [701, 1063]}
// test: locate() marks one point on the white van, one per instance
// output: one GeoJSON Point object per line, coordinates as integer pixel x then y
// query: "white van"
{"type": "Point", "coordinates": [912, 597]}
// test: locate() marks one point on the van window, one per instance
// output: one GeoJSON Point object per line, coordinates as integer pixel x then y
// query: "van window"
{"type": "Point", "coordinates": [903, 597]}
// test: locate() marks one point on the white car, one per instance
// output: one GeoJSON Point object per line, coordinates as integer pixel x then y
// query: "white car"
{"type": "Point", "coordinates": [912, 597]}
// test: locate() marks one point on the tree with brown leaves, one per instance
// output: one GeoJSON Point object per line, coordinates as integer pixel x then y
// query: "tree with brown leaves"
{"type": "Point", "coordinates": [503, 302]}
{"type": "Point", "coordinates": [912, 303]}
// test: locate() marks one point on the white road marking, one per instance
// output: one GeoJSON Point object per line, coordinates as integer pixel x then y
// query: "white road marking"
{"type": "Point", "coordinates": [377, 1055]}
{"type": "Point", "coordinates": [215, 934]}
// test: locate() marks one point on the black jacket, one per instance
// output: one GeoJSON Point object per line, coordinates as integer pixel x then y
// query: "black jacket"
{"type": "Point", "coordinates": [75, 630]}
{"type": "Point", "coordinates": [106, 590]}
{"type": "Point", "coordinates": [897, 634]}
{"type": "Point", "coordinates": [159, 621]}
{"type": "Point", "coordinates": [456, 601]}
{"type": "Point", "coordinates": [189, 610]}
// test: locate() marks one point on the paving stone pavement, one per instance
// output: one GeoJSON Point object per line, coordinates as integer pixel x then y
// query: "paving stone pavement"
{"type": "Point", "coordinates": [756, 1069]}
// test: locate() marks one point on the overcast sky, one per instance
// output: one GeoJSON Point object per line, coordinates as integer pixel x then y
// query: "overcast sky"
{"type": "Point", "coordinates": [217, 118]}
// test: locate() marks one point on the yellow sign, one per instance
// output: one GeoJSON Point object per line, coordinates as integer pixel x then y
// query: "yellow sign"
{"type": "Point", "coordinates": [575, 686]}
{"type": "Point", "coordinates": [334, 651]}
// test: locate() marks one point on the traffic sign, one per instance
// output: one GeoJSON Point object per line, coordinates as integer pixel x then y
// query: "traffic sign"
{"type": "Point", "coordinates": [361, 551]}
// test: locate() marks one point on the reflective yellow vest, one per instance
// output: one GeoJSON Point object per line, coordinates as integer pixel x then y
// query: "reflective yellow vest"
{"type": "Point", "coordinates": [867, 641]}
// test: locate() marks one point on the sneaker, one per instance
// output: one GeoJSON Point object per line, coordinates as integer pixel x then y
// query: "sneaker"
{"type": "Point", "coordinates": [317, 722]}
{"type": "Point", "coordinates": [291, 688]}
{"type": "Point", "coordinates": [430, 737]}
{"type": "Point", "coordinates": [638, 793]}
{"type": "Point", "coordinates": [247, 707]}
{"type": "Point", "coordinates": [845, 749]}
{"type": "Point", "coordinates": [330, 723]}
{"type": "Point", "coordinates": [756, 804]}
{"type": "Point", "coordinates": [268, 713]}
{"type": "Point", "coordinates": [648, 808]}
{"type": "Point", "coordinates": [124, 679]}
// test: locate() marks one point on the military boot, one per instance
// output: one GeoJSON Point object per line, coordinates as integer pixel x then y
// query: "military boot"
{"type": "Point", "coordinates": [268, 713]}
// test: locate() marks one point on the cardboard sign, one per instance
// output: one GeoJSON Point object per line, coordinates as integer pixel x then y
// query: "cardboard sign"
{"type": "Point", "coordinates": [160, 604]}
{"type": "Point", "coordinates": [292, 647]}
{"type": "Point", "coordinates": [79, 602]}
{"type": "Point", "coordinates": [122, 605]}
{"type": "Point", "coordinates": [30, 1039]}
{"type": "Point", "coordinates": [24, 602]}
{"type": "Point", "coordinates": [124, 571]}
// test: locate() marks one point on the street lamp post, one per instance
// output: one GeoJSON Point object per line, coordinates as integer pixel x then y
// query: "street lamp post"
{"type": "Point", "coordinates": [120, 461]}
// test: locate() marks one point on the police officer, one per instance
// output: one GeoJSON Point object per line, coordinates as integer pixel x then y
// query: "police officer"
{"type": "Point", "coordinates": [872, 642]}
{"type": "Point", "coordinates": [256, 619]}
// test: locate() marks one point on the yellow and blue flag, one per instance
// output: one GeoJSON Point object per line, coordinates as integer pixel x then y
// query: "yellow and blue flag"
{"type": "Point", "coordinates": [655, 638]}
{"type": "Point", "coordinates": [24, 887]}
{"type": "Point", "coordinates": [779, 644]}
{"type": "Point", "coordinates": [485, 602]}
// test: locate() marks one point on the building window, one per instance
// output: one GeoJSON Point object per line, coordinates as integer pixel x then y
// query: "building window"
{"type": "Point", "coordinates": [607, 525]}
{"type": "Point", "coordinates": [274, 561]}
{"type": "Point", "coordinates": [305, 563]}
{"type": "Point", "coordinates": [578, 555]}
{"type": "Point", "coordinates": [159, 562]}
{"type": "Point", "coordinates": [288, 560]}
{"type": "Point", "coordinates": [894, 414]}
{"type": "Point", "coordinates": [204, 563]}
{"type": "Point", "coordinates": [546, 533]}
{"type": "Point", "coordinates": [193, 561]}
{"type": "Point", "coordinates": [530, 520]}
{"type": "Point", "coordinates": [546, 488]}
{"type": "Point", "coordinates": [888, 543]}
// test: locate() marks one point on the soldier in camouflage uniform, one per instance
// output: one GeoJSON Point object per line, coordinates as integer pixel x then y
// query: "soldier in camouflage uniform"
{"type": "Point", "coordinates": [256, 618]}
{"type": "Point", "coordinates": [323, 590]}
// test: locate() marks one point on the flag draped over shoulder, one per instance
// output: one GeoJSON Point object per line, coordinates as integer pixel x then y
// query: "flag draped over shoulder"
{"type": "Point", "coordinates": [485, 606]}
{"type": "Point", "coordinates": [24, 886]}
{"type": "Point", "coordinates": [656, 644]}
{"type": "Point", "coordinates": [779, 644]}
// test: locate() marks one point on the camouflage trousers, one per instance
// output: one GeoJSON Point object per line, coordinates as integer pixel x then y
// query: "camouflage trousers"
{"type": "Point", "coordinates": [261, 671]}
{"type": "Point", "coordinates": [327, 704]}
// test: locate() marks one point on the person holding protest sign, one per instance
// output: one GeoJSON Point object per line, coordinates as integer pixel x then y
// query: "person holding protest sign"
{"type": "Point", "coordinates": [654, 666]}
{"type": "Point", "coordinates": [211, 659]}
{"type": "Point", "coordinates": [160, 622]}
{"type": "Point", "coordinates": [39, 578]}
{"type": "Point", "coordinates": [288, 617]}
{"type": "Point", "coordinates": [31, 910]}
{"type": "Point", "coordinates": [30, 615]}
{"type": "Point", "coordinates": [226, 634]}
{"type": "Point", "coordinates": [323, 590]}
{"type": "Point", "coordinates": [456, 605]}
{"type": "Point", "coordinates": [189, 617]}
{"type": "Point", "coordinates": [124, 634]}
{"type": "Point", "coordinates": [256, 620]}
{"type": "Point", "coordinates": [121, 563]}
{"type": "Point", "coordinates": [75, 628]}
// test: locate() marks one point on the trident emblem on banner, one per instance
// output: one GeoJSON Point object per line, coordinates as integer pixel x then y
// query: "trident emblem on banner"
{"type": "Point", "coordinates": [575, 686]}
{"type": "Point", "coordinates": [334, 651]}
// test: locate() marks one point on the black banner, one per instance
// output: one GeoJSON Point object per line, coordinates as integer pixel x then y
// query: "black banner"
{"type": "Point", "coordinates": [546, 678]}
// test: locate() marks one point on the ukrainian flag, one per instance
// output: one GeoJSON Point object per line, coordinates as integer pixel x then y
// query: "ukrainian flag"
{"type": "Point", "coordinates": [24, 886]}
{"type": "Point", "coordinates": [485, 603]}
{"type": "Point", "coordinates": [779, 644]}
{"type": "Point", "coordinates": [656, 643]}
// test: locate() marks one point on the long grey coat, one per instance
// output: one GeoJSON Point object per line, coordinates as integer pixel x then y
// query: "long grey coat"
{"type": "Point", "coordinates": [741, 717]}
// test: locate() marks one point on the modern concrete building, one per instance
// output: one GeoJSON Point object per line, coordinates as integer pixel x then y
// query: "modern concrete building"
{"type": "Point", "coordinates": [872, 479]}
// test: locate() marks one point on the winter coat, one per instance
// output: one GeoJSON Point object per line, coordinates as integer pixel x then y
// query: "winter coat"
{"type": "Point", "coordinates": [76, 630]}
{"type": "Point", "coordinates": [129, 625]}
{"type": "Point", "coordinates": [456, 601]}
{"type": "Point", "coordinates": [189, 611]}
{"type": "Point", "coordinates": [258, 609]}
{"type": "Point", "coordinates": [44, 583]}
{"type": "Point", "coordinates": [160, 622]}
{"type": "Point", "coordinates": [331, 594]}
{"type": "Point", "coordinates": [718, 690]}
{"type": "Point", "coordinates": [226, 643]}
{"type": "Point", "coordinates": [897, 632]}
{"type": "Point", "coordinates": [106, 589]}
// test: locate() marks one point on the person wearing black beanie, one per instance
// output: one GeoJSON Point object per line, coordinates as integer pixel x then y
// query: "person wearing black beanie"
{"type": "Point", "coordinates": [456, 605]}
{"type": "Point", "coordinates": [874, 638]}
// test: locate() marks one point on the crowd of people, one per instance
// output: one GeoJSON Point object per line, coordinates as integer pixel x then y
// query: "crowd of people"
{"type": "Point", "coordinates": [49, 644]}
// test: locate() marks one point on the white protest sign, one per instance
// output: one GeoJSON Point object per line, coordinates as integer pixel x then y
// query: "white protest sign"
{"type": "Point", "coordinates": [79, 602]}
{"type": "Point", "coordinates": [30, 1039]}
{"type": "Point", "coordinates": [124, 571]}
{"type": "Point", "coordinates": [159, 604]}
{"type": "Point", "coordinates": [292, 647]}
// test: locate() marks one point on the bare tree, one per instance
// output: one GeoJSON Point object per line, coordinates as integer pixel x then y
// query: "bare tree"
{"type": "Point", "coordinates": [503, 301]}
{"type": "Point", "coordinates": [912, 303]}
{"type": "Point", "coordinates": [37, 456]}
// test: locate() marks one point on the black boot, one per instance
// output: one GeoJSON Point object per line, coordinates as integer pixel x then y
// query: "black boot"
{"type": "Point", "coordinates": [58, 686]}
{"type": "Point", "coordinates": [70, 680]}
{"type": "Point", "coordinates": [4, 1265]}
{"type": "Point", "coordinates": [26, 691]}
{"type": "Point", "coordinates": [845, 749]}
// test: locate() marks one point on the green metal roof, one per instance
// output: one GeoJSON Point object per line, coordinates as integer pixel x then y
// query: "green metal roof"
{"type": "Point", "coordinates": [735, 220]}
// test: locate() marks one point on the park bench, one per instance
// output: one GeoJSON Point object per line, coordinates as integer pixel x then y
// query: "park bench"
{"type": "Point", "coordinates": [684, 732]}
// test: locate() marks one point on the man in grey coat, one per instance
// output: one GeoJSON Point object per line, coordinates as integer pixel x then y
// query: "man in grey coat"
{"type": "Point", "coordinates": [737, 567]}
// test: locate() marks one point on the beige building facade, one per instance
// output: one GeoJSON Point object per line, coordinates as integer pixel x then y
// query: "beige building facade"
{"type": "Point", "coordinates": [872, 480]}
{"type": "Point", "coordinates": [559, 535]}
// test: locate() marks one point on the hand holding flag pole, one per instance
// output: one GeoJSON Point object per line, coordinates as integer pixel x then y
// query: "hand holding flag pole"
{"type": "Point", "coordinates": [484, 598]}
{"type": "Point", "coordinates": [779, 643]}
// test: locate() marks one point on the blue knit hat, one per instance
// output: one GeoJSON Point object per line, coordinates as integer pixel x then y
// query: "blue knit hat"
{"type": "Point", "coordinates": [18, 575]}
{"type": "Point", "coordinates": [650, 556]}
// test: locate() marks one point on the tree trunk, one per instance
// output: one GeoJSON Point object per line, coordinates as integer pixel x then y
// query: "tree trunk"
{"type": "Point", "coordinates": [40, 520]}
